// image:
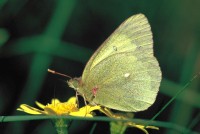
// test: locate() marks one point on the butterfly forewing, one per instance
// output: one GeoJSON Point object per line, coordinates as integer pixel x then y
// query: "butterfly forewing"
{"type": "Point", "coordinates": [133, 33]}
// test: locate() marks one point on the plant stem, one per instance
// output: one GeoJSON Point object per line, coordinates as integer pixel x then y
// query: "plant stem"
{"type": "Point", "coordinates": [61, 125]}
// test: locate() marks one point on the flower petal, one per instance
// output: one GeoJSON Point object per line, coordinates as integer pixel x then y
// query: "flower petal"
{"type": "Point", "coordinates": [88, 109]}
{"type": "Point", "coordinates": [72, 100]}
{"type": "Point", "coordinates": [50, 111]}
{"type": "Point", "coordinates": [30, 110]}
{"type": "Point", "coordinates": [85, 111]}
{"type": "Point", "coordinates": [94, 108]}
{"type": "Point", "coordinates": [55, 101]}
{"type": "Point", "coordinates": [39, 105]}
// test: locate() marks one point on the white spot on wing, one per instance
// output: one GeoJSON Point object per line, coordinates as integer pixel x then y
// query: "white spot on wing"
{"type": "Point", "coordinates": [126, 75]}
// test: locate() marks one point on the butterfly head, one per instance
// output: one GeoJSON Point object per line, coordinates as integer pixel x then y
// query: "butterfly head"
{"type": "Point", "coordinates": [75, 83]}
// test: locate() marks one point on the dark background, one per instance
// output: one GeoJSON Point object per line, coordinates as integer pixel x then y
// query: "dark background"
{"type": "Point", "coordinates": [39, 34]}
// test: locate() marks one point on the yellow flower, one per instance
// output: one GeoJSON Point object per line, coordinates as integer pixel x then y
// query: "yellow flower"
{"type": "Point", "coordinates": [60, 108]}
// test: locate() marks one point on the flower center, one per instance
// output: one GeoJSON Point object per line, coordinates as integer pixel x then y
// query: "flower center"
{"type": "Point", "coordinates": [62, 108]}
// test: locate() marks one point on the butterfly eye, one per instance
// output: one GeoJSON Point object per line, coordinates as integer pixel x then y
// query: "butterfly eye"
{"type": "Point", "coordinates": [74, 83]}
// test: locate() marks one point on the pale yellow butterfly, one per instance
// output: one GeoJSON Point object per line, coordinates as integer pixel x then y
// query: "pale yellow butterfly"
{"type": "Point", "coordinates": [123, 73]}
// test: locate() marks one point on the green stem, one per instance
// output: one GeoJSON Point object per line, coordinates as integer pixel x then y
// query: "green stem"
{"type": "Point", "coordinates": [61, 125]}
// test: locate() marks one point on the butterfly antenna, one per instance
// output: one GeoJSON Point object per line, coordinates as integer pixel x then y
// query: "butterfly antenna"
{"type": "Point", "coordinates": [54, 72]}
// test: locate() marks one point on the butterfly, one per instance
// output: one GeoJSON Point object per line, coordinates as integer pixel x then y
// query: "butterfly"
{"type": "Point", "coordinates": [123, 73]}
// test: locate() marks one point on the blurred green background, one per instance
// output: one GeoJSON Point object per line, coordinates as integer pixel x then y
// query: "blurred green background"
{"type": "Point", "coordinates": [62, 34]}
